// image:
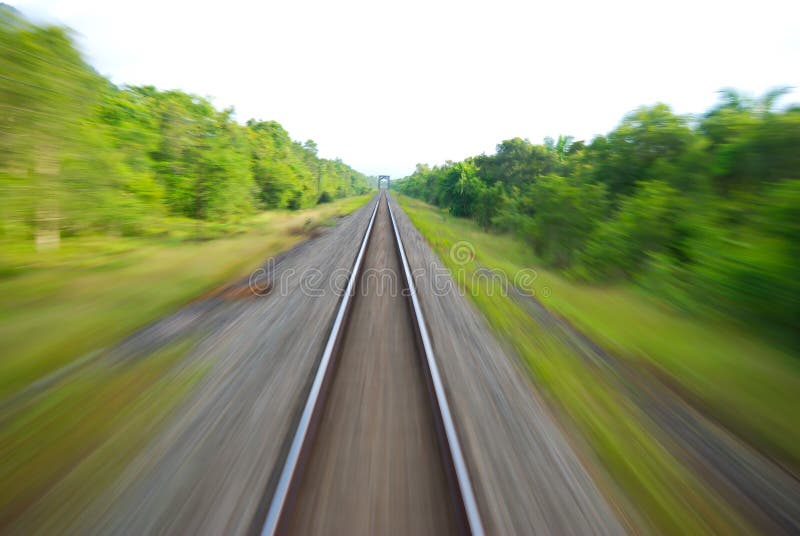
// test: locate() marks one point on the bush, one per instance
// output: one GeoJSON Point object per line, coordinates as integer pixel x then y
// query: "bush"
{"type": "Point", "coordinates": [750, 270]}
{"type": "Point", "coordinates": [565, 214]}
{"type": "Point", "coordinates": [646, 223]}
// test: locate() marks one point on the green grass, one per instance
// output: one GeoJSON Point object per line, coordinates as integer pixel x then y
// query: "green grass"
{"type": "Point", "coordinates": [58, 306]}
{"type": "Point", "coordinates": [64, 446]}
{"type": "Point", "coordinates": [741, 379]}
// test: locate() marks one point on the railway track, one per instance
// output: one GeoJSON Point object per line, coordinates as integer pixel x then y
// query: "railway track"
{"type": "Point", "coordinates": [375, 449]}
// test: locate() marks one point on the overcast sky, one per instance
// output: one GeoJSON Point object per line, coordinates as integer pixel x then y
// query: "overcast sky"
{"type": "Point", "coordinates": [384, 85]}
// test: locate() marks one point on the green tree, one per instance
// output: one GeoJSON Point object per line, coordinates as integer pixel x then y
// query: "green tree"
{"type": "Point", "coordinates": [646, 223]}
{"type": "Point", "coordinates": [566, 213]}
{"type": "Point", "coordinates": [752, 143]}
{"type": "Point", "coordinates": [46, 91]}
{"type": "Point", "coordinates": [461, 189]}
{"type": "Point", "coordinates": [650, 143]}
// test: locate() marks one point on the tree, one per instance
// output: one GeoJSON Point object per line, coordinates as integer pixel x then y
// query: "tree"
{"type": "Point", "coordinates": [460, 189]}
{"type": "Point", "coordinates": [650, 143]}
{"type": "Point", "coordinates": [646, 223]}
{"type": "Point", "coordinates": [702, 213]}
{"type": "Point", "coordinates": [79, 155]}
{"type": "Point", "coordinates": [752, 143]}
{"type": "Point", "coordinates": [46, 91]}
{"type": "Point", "coordinates": [516, 163]}
{"type": "Point", "coordinates": [566, 212]}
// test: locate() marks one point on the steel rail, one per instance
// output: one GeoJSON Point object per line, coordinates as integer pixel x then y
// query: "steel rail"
{"type": "Point", "coordinates": [456, 455]}
{"type": "Point", "coordinates": [282, 490]}
{"type": "Point", "coordinates": [449, 437]}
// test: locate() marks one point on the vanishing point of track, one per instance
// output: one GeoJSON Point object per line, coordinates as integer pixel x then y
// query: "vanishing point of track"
{"type": "Point", "coordinates": [375, 449]}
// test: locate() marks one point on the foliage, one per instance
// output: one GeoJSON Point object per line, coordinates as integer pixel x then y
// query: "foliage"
{"type": "Point", "coordinates": [748, 384]}
{"type": "Point", "coordinates": [650, 143]}
{"type": "Point", "coordinates": [645, 224]}
{"type": "Point", "coordinates": [703, 211]}
{"type": "Point", "coordinates": [151, 276]}
{"type": "Point", "coordinates": [79, 155]}
{"type": "Point", "coordinates": [73, 438]}
{"type": "Point", "coordinates": [565, 214]}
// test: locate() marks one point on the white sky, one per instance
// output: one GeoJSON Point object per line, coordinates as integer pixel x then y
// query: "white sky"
{"type": "Point", "coordinates": [384, 85]}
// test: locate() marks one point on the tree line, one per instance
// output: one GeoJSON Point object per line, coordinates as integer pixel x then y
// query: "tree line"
{"type": "Point", "coordinates": [80, 155]}
{"type": "Point", "coordinates": [704, 211]}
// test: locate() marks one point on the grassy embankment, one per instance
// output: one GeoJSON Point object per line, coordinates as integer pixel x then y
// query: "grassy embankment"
{"type": "Point", "coordinates": [743, 381]}
{"type": "Point", "coordinates": [57, 306]}
{"type": "Point", "coordinates": [60, 447]}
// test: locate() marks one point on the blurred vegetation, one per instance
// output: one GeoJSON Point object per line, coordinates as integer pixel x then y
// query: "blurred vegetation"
{"type": "Point", "coordinates": [744, 382]}
{"type": "Point", "coordinates": [80, 156]}
{"type": "Point", "coordinates": [60, 450]}
{"type": "Point", "coordinates": [93, 291]}
{"type": "Point", "coordinates": [704, 212]}
{"type": "Point", "coordinates": [73, 419]}
{"type": "Point", "coordinates": [109, 194]}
